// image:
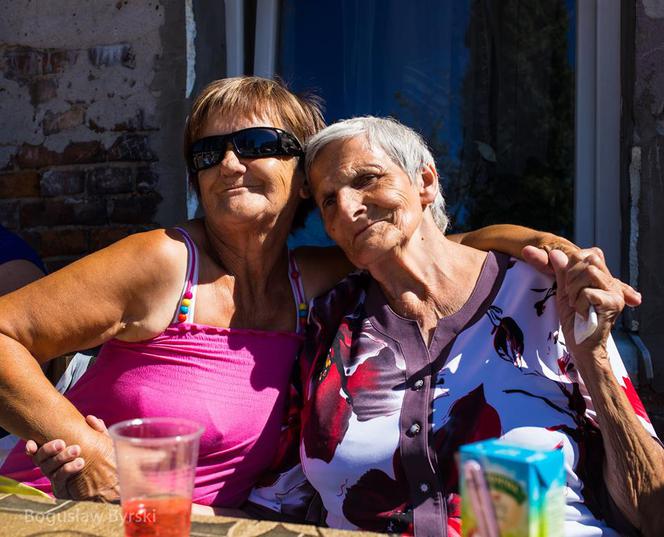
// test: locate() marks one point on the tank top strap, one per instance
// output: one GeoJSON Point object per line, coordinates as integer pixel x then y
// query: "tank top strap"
{"type": "Point", "coordinates": [187, 302]}
{"type": "Point", "coordinates": [302, 309]}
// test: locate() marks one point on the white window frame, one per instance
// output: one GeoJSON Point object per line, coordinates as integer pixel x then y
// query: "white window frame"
{"type": "Point", "coordinates": [597, 216]}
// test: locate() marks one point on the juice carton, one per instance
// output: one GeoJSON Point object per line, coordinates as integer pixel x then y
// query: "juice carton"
{"type": "Point", "coordinates": [511, 491]}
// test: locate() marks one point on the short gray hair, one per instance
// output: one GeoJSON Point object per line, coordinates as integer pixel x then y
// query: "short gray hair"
{"type": "Point", "coordinates": [406, 148]}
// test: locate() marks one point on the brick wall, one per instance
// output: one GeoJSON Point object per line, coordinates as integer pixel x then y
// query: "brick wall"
{"type": "Point", "coordinates": [83, 156]}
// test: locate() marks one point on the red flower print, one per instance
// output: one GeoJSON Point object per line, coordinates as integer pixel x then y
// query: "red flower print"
{"type": "Point", "coordinates": [634, 399]}
{"type": "Point", "coordinates": [508, 337]}
{"type": "Point", "coordinates": [357, 376]}
{"type": "Point", "coordinates": [470, 419]}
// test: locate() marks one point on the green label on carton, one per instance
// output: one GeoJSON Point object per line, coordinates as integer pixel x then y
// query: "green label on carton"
{"type": "Point", "coordinates": [504, 484]}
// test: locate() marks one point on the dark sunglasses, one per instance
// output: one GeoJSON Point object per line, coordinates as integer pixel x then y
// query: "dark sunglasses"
{"type": "Point", "coordinates": [255, 142]}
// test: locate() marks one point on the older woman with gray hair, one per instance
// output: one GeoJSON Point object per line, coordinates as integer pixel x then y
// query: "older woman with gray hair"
{"type": "Point", "coordinates": [434, 345]}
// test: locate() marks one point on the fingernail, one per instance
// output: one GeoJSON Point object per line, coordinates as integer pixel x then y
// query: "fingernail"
{"type": "Point", "coordinates": [73, 451]}
{"type": "Point", "coordinates": [78, 464]}
{"type": "Point", "coordinates": [59, 444]}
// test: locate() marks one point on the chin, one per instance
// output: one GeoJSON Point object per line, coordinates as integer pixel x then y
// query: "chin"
{"type": "Point", "coordinates": [369, 255]}
{"type": "Point", "coordinates": [241, 208]}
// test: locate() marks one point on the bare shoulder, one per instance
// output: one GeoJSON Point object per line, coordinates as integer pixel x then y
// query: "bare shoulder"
{"type": "Point", "coordinates": [126, 290]}
{"type": "Point", "coordinates": [321, 268]}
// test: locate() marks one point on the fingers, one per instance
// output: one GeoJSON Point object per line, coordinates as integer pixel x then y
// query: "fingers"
{"type": "Point", "coordinates": [96, 423]}
{"type": "Point", "coordinates": [582, 276]}
{"type": "Point", "coordinates": [608, 303]}
{"type": "Point", "coordinates": [48, 450]}
{"type": "Point", "coordinates": [632, 296]}
{"type": "Point", "coordinates": [538, 258]}
{"type": "Point", "coordinates": [51, 465]}
{"type": "Point", "coordinates": [559, 261]}
{"type": "Point", "coordinates": [31, 448]}
{"type": "Point", "coordinates": [62, 474]}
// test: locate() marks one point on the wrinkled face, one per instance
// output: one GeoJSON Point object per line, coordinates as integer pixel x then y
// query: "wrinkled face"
{"type": "Point", "coordinates": [247, 189]}
{"type": "Point", "coordinates": [369, 204]}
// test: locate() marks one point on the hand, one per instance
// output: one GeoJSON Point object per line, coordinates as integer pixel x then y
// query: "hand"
{"type": "Point", "coordinates": [538, 258]}
{"type": "Point", "coordinates": [70, 474]}
{"type": "Point", "coordinates": [584, 280]}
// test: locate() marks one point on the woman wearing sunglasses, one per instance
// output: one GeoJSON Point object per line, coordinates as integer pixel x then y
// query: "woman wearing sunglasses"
{"type": "Point", "coordinates": [201, 321]}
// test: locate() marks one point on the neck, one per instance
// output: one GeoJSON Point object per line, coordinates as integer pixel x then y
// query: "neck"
{"type": "Point", "coordinates": [254, 256]}
{"type": "Point", "coordinates": [429, 277]}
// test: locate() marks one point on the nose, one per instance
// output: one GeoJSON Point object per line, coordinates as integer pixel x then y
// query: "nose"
{"type": "Point", "coordinates": [231, 164]}
{"type": "Point", "coordinates": [350, 204]}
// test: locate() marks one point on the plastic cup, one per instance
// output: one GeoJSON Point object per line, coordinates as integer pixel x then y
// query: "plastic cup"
{"type": "Point", "coordinates": [156, 460]}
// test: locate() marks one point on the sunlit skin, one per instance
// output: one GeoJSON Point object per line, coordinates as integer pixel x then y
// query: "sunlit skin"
{"type": "Point", "coordinates": [379, 218]}
{"type": "Point", "coordinates": [248, 191]}
{"type": "Point", "coordinates": [369, 204]}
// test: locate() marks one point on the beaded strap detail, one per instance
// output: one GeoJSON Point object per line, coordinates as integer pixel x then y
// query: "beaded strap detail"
{"type": "Point", "coordinates": [298, 293]}
{"type": "Point", "coordinates": [186, 308]}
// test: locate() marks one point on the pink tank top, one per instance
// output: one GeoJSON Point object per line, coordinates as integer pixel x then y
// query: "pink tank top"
{"type": "Point", "coordinates": [233, 381]}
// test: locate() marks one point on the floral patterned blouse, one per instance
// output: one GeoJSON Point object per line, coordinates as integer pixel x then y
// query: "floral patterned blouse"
{"type": "Point", "coordinates": [385, 414]}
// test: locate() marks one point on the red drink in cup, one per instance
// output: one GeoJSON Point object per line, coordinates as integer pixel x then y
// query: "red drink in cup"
{"type": "Point", "coordinates": [169, 516]}
{"type": "Point", "coordinates": [156, 460]}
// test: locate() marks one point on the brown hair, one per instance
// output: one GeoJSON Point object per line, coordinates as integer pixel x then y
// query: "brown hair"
{"type": "Point", "coordinates": [248, 96]}
{"type": "Point", "coordinates": [253, 96]}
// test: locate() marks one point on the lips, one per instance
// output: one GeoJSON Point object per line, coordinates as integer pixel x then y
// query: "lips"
{"type": "Point", "coordinates": [367, 226]}
{"type": "Point", "coordinates": [239, 187]}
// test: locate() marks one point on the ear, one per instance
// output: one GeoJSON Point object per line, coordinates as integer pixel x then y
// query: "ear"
{"type": "Point", "coordinates": [428, 184]}
{"type": "Point", "coordinates": [305, 191]}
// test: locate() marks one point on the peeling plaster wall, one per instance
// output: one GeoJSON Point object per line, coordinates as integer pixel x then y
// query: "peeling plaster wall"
{"type": "Point", "coordinates": [92, 106]}
{"type": "Point", "coordinates": [647, 176]}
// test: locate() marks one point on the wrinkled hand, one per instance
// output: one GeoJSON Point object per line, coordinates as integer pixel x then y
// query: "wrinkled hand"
{"type": "Point", "coordinates": [72, 476]}
{"type": "Point", "coordinates": [583, 280]}
{"type": "Point", "coordinates": [538, 258]}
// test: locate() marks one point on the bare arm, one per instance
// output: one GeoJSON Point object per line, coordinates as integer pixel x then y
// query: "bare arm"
{"type": "Point", "coordinates": [324, 267]}
{"type": "Point", "coordinates": [107, 294]}
{"type": "Point", "coordinates": [634, 465]}
{"type": "Point", "coordinates": [511, 239]}
{"type": "Point", "coordinates": [17, 273]}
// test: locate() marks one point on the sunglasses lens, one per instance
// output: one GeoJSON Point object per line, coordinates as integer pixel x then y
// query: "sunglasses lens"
{"type": "Point", "coordinates": [257, 143]}
{"type": "Point", "coordinates": [206, 159]}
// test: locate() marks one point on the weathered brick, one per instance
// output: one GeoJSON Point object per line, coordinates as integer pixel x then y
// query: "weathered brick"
{"type": "Point", "coordinates": [110, 180]}
{"type": "Point", "coordinates": [62, 182]}
{"type": "Point", "coordinates": [131, 147]}
{"type": "Point", "coordinates": [9, 214]}
{"type": "Point", "coordinates": [19, 184]}
{"type": "Point", "coordinates": [146, 179]}
{"type": "Point", "coordinates": [52, 212]}
{"type": "Point", "coordinates": [109, 55]}
{"type": "Point", "coordinates": [83, 153]}
{"type": "Point", "coordinates": [23, 62]}
{"type": "Point", "coordinates": [134, 210]}
{"type": "Point", "coordinates": [54, 123]}
{"type": "Point", "coordinates": [36, 156]}
{"type": "Point", "coordinates": [43, 90]}
{"type": "Point", "coordinates": [26, 62]}
{"type": "Point", "coordinates": [56, 242]}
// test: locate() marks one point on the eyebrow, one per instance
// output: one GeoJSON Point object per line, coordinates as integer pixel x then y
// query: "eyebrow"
{"type": "Point", "coordinates": [355, 172]}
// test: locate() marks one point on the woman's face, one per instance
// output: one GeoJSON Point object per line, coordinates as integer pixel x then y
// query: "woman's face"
{"type": "Point", "coordinates": [369, 204]}
{"type": "Point", "coordinates": [240, 190]}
